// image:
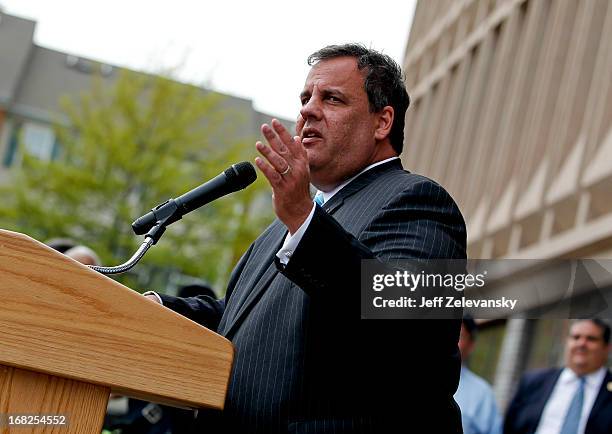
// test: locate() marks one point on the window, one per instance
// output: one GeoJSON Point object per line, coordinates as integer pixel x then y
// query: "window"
{"type": "Point", "coordinates": [38, 140]}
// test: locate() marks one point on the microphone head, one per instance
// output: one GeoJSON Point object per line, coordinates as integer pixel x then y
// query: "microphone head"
{"type": "Point", "coordinates": [240, 175]}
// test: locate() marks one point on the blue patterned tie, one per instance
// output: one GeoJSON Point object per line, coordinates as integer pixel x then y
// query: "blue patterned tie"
{"type": "Point", "coordinates": [319, 198]}
{"type": "Point", "coordinates": [572, 418]}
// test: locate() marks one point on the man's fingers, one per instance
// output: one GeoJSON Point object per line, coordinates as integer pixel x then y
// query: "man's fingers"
{"type": "Point", "coordinates": [269, 172]}
{"type": "Point", "coordinates": [284, 161]}
{"type": "Point", "coordinates": [295, 148]}
{"type": "Point", "coordinates": [299, 125]}
{"type": "Point", "coordinates": [276, 161]}
{"type": "Point", "coordinates": [274, 140]}
{"type": "Point", "coordinates": [300, 150]}
{"type": "Point", "coordinates": [152, 298]}
{"type": "Point", "coordinates": [282, 132]}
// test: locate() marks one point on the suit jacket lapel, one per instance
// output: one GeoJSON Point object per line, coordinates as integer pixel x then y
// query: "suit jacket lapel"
{"type": "Point", "coordinates": [359, 183]}
{"type": "Point", "coordinates": [248, 296]}
{"type": "Point", "coordinates": [604, 397]}
{"type": "Point", "coordinates": [252, 298]}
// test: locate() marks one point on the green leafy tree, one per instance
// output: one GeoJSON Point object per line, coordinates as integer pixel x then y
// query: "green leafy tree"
{"type": "Point", "coordinates": [126, 148]}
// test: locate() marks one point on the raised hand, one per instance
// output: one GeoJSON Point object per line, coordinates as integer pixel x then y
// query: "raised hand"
{"type": "Point", "coordinates": [286, 168]}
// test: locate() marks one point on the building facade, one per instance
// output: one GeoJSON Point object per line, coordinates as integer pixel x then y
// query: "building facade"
{"type": "Point", "coordinates": [512, 113]}
{"type": "Point", "coordinates": [34, 78]}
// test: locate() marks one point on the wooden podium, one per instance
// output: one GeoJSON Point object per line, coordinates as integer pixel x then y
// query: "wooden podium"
{"type": "Point", "coordinates": [69, 336]}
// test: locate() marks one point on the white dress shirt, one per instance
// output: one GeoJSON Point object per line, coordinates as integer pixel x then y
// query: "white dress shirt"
{"type": "Point", "coordinates": [561, 397]}
{"type": "Point", "coordinates": [292, 240]}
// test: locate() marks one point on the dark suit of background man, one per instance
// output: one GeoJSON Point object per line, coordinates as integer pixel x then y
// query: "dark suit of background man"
{"type": "Point", "coordinates": [576, 399]}
{"type": "Point", "coordinates": [305, 362]}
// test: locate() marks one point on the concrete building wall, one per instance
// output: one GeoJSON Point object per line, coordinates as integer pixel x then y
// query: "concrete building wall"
{"type": "Point", "coordinates": [512, 113]}
{"type": "Point", "coordinates": [15, 46]}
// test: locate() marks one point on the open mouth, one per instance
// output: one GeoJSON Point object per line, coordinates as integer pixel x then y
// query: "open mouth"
{"type": "Point", "coordinates": [310, 136]}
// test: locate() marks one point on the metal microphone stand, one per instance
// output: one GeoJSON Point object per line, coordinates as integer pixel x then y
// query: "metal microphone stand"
{"type": "Point", "coordinates": [151, 238]}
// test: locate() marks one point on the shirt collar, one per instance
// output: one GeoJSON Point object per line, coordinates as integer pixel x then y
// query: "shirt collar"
{"type": "Point", "coordinates": [327, 195]}
{"type": "Point", "coordinates": [593, 379]}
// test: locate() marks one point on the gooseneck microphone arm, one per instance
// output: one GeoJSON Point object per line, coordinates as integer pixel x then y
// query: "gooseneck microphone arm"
{"type": "Point", "coordinates": [154, 223]}
{"type": "Point", "coordinates": [146, 245]}
{"type": "Point", "coordinates": [151, 238]}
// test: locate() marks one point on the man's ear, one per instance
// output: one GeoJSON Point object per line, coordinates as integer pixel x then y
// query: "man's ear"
{"type": "Point", "coordinates": [385, 121]}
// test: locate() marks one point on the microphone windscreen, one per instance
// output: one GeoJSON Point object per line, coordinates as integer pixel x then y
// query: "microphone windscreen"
{"type": "Point", "coordinates": [241, 175]}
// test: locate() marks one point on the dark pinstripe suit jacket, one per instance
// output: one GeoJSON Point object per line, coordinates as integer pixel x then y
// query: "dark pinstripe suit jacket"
{"type": "Point", "coordinates": [305, 362]}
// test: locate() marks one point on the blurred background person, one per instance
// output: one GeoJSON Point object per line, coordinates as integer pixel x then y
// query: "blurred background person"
{"type": "Point", "coordinates": [576, 399]}
{"type": "Point", "coordinates": [479, 412]}
{"type": "Point", "coordinates": [195, 289]}
{"type": "Point", "coordinates": [61, 244]}
{"type": "Point", "coordinates": [83, 254]}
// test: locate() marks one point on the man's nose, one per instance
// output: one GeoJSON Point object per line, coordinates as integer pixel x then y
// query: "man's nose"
{"type": "Point", "coordinates": [581, 342]}
{"type": "Point", "coordinates": [312, 109]}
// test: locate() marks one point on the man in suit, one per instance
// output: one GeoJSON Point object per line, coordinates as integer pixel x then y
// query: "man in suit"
{"type": "Point", "coordinates": [574, 400]}
{"type": "Point", "coordinates": [305, 361]}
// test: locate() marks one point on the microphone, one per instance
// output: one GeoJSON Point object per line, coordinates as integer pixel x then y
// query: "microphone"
{"type": "Point", "coordinates": [235, 178]}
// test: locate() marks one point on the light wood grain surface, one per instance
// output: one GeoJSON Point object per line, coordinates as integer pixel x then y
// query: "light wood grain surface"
{"type": "Point", "coordinates": [29, 393]}
{"type": "Point", "coordinates": [61, 318]}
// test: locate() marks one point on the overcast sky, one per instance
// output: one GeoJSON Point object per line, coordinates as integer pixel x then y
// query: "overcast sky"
{"type": "Point", "coordinates": [253, 49]}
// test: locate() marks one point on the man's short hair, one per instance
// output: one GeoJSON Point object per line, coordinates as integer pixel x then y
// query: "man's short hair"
{"type": "Point", "coordinates": [195, 289]}
{"type": "Point", "coordinates": [61, 244]}
{"type": "Point", "coordinates": [604, 327]}
{"type": "Point", "coordinates": [83, 251]}
{"type": "Point", "coordinates": [384, 83]}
